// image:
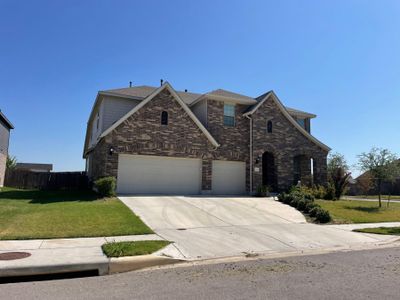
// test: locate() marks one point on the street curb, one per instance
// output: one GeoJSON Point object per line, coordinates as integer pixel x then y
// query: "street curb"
{"type": "Point", "coordinates": [132, 263]}
{"type": "Point", "coordinates": [101, 267]}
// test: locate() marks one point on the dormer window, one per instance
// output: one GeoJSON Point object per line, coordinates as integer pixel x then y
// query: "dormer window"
{"type": "Point", "coordinates": [164, 118]}
{"type": "Point", "coordinates": [301, 122]}
{"type": "Point", "coordinates": [229, 115]}
{"type": "Point", "coordinates": [269, 127]}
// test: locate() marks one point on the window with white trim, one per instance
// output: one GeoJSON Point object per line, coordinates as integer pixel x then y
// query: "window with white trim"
{"type": "Point", "coordinates": [229, 114]}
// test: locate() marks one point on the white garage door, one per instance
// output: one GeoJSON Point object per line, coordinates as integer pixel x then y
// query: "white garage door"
{"type": "Point", "coordinates": [228, 177]}
{"type": "Point", "coordinates": [141, 174]}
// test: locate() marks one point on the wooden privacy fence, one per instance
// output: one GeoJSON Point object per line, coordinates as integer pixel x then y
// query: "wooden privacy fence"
{"type": "Point", "coordinates": [23, 179]}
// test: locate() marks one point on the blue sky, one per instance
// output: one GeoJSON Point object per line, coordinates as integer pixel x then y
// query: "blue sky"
{"type": "Point", "coordinates": [337, 59]}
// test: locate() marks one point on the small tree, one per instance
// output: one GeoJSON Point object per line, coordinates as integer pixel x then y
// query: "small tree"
{"type": "Point", "coordinates": [11, 162]}
{"type": "Point", "coordinates": [382, 165]}
{"type": "Point", "coordinates": [338, 173]}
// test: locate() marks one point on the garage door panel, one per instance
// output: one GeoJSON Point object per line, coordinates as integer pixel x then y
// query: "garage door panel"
{"type": "Point", "coordinates": [140, 174]}
{"type": "Point", "coordinates": [228, 177]}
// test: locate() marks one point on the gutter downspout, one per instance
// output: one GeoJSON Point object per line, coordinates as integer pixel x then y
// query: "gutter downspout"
{"type": "Point", "coordinates": [251, 154]}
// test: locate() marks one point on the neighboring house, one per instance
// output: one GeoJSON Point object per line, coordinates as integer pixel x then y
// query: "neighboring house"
{"type": "Point", "coordinates": [33, 167]}
{"type": "Point", "coordinates": [5, 127]}
{"type": "Point", "coordinates": [162, 141]}
{"type": "Point", "coordinates": [364, 185]}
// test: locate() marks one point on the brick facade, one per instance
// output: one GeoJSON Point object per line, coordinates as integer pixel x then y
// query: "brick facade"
{"type": "Point", "coordinates": [143, 134]}
{"type": "Point", "coordinates": [286, 143]}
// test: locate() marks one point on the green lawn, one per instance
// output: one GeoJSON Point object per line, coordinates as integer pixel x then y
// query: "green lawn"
{"type": "Point", "coordinates": [118, 249]}
{"type": "Point", "coordinates": [346, 211]}
{"type": "Point", "coordinates": [381, 230]}
{"type": "Point", "coordinates": [31, 214]}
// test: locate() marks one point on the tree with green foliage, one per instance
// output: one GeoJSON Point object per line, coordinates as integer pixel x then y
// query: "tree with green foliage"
{"type": "Point", "coordinates": [382, 165]}
{"type": "Point", "coordinates": [338, 173]}
{"type": "Point", "coordinates": [11, 162]}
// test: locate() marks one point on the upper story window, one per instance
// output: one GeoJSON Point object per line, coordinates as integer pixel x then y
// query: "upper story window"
{"type": "Point", "coordinates": [164, 118]}
{"type": "Point", "coordinates": [301, 122]}
{"type": "Point", "coordinates": [269, 126]}
{"type": "Point", "coordinates": [229, 115]}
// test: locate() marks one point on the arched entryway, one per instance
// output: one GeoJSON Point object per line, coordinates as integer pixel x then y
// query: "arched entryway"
{"type": "Point", "coordinates": [269, 177]}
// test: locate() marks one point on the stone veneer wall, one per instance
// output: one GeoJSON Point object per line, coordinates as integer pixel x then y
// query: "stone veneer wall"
{"type": "Point", "coordinates": [285, 143]}
{"type": "Point", "coordinates": [143, 134]}
{"type": "Point", "coordinates": [234, 140]}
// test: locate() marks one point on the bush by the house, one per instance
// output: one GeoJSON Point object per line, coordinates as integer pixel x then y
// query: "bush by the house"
{"type": "Point", "coordinates": [105, 186]}
{"type": "Point", "coordinates": [309, 206]}
{"type": "Point", "coordinates": [262, 191]}
{"type": "Point", "coordinates": [301, 204]}
{"type": "Point", "coordinates": [303, 200]}
{"type": "Point", "coordinates": [322, 216]}
{"type": "Point", "coordinates": [329, 192]}
{"type": "Point", "coordinates": [313, 211]}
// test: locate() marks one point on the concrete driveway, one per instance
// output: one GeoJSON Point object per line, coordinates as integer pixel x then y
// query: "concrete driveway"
{"type": "Point", "coordinates": [209, 227]}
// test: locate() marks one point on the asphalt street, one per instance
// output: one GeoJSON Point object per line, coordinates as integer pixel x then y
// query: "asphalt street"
{"type": "Point", "coordinates": [370, 274]}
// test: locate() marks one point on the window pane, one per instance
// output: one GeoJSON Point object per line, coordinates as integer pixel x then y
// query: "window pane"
{"type": "Point", "coordinates": [229, 110]}
{"type": "Point", "coordinates": [229, 121]}
{"type": "Point", "coordinates": [301, 122]}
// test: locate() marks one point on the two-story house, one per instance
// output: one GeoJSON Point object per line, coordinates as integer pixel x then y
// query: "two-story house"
{"type": "Point", "coordinates": [5, 127]}
{"type": "Point", "coordinates": [162, 141]}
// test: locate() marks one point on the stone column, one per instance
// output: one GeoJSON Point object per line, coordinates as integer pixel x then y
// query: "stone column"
{"type": "Point", "coordinates": [320, 169]}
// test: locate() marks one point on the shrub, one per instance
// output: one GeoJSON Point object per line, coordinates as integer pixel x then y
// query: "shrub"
{"type": "Point", "coordinates": [313, 211]}
{"type": "Point", "coordinates": [301, 204]}
{"type": "Point", "coordinates": [309, 206]}
{"type": "Point", "coordinates": [105, 186]}
{"type": "Point", "coordinates": [281, 197]}
{"type": "Point", "coordinates": [262, 191]}
{"type": "Point", "coordinates": [322, 216]}
{"type": "Point", "coordinates": [330, 192]}
{"type": "Point", "coordinates": [319, 192]}
{"type": "Point", "coordinates": [288, 199]}
{"type": "Point", "coordinates": [295, 201]}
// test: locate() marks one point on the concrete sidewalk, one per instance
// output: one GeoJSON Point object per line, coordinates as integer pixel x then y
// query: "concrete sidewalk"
{"type": "Point", "coordinates": [351, 227]}
{"type": "Point", "coordinates": [384, 200]}
{"type": "Point", "coordinates": [66, 255]}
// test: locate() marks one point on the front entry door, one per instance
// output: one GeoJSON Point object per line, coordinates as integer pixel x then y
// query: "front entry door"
{"type": "Point", "coordinates": [269, 177]}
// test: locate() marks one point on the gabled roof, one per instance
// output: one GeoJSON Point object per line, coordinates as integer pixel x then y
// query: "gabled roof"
{"type": "Point", "coordinates": [143, 91]}
{"type": "Point", "coordinates": [300, 113]}
{"type": "Point", "coordinates": [285, 112]}
{"type": "Point", "coordinates": [6, 121]}
{"type": "Point", "coordinates": [149, 98]}
{"type": "Point", "coordinates": [227, 94]}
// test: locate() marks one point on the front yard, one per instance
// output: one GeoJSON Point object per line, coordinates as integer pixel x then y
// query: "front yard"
{"type": "Point", "coordinates": [346, 211]}
{"type": "Point", "coordinates": [31, 214]}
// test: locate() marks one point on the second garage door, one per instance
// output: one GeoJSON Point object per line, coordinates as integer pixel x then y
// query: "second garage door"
{"type": "Point", "coordinates": [228, 177]}
{"type": "Point", "coordinates": [141, 174]}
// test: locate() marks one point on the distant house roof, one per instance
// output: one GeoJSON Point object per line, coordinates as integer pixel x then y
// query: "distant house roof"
{"type": "Point", "coordinates": [6, 121]}
{"type": "Point", "coordinates": [34, 167]}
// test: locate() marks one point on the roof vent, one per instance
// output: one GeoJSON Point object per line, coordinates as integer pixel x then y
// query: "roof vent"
{"type": "Point", "coordinates": [161, 81]}
{"type": "Point", "coordinates": [130, 83]}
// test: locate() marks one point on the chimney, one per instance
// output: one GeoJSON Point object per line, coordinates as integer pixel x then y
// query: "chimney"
{"type": "Point", "coordinates": [161, 81]}
{"type": "Point", "coordinates": [130, 83]}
